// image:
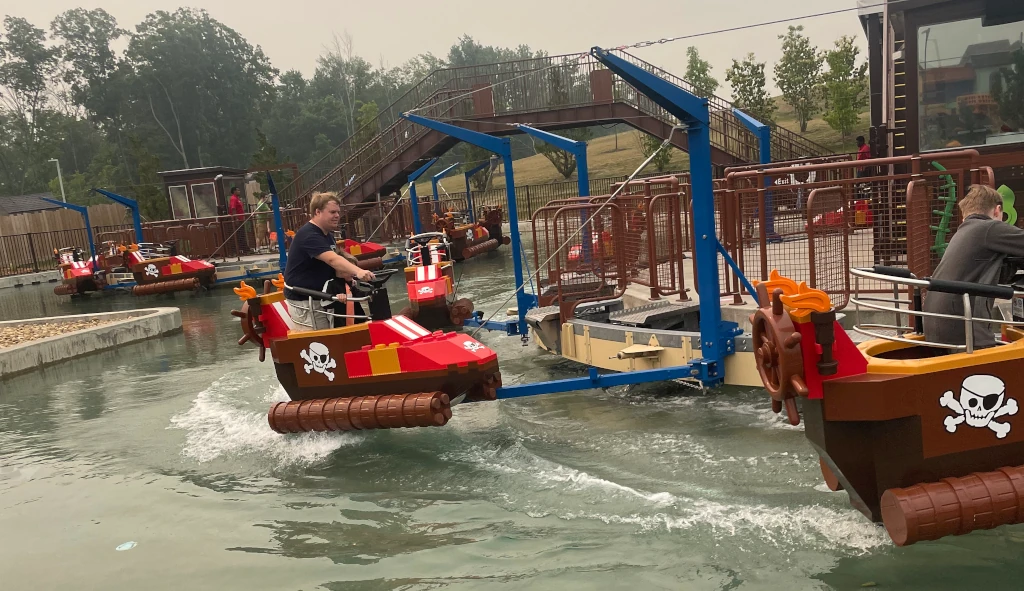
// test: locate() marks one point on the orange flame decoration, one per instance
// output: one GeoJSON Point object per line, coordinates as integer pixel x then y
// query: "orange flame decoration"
{"type": "Point", "coordinates": [777, 280]}
{"type": "Point", "coordinates": [245, 292]}
{"type": "Point", "coordinates": [279, 282]}
{"type": "Point", "coordinates": [813, 300]}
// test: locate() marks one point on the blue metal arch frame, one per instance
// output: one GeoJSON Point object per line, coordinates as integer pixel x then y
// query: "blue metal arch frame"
{"type": "Point", "coordinates": [763, 133]}
{"type": "Point", "coordinates": [503, 148]}
{"type": "Point", "coordinates": [130, 204]}
{"type": "Point", "coordinates": [574, 147]}
{"type": "Point", "coordinates": [717, 336]}
{"type": "Point", "coordinates": [88, 225]}
{"type": "Point", "coordinates": [414, 200]}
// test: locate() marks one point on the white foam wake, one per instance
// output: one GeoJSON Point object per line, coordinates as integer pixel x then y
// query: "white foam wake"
{"type": "Point", "coordinates": [225, 420]}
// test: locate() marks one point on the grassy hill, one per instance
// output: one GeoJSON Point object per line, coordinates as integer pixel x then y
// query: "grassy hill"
{"type": "Point", "coordinates": [606, 159]}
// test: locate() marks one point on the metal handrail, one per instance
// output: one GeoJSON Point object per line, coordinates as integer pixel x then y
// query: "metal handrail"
{"type": "Point", "coordinates": [968, 319]}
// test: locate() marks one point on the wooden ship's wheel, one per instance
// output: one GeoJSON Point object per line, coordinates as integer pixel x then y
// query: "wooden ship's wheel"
{"type": "Point", "coordinates": [777, 354]}
{"type": "Point", "coordinates": [252, 328]}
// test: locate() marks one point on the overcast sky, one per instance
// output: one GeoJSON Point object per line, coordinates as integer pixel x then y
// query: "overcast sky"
{"type": "Point", "coordinates": [293, 32]}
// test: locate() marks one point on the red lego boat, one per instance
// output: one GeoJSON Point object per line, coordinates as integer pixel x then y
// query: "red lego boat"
{"type": "Point", "coordinates": [78, 274]}
{"type": "Point", "coordinates": [430, 283]}
{"type": "Point", "coordinates": [159, 269]}
{"type": "Point", "coordinates": [382, 372]}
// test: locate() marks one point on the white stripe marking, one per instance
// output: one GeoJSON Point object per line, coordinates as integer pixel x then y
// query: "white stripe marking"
{"type": "Point", "coordinates": [416, 328]}
{"type": "Point", "coordinates": [397, 327]}
{"type": "Point", "coordinates": [282, 311]}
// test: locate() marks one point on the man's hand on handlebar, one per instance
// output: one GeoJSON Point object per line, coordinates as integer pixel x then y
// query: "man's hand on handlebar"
{"type": "Point", "coordinates": [341, 298]}
{"type": "Point", "coordinates": [364, 275]}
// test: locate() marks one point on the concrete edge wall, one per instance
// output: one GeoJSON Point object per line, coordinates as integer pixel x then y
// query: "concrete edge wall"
{"type": "Point", "coordinates": [129, 326]}
{"type": "Point", "coordinates": [29, 279]}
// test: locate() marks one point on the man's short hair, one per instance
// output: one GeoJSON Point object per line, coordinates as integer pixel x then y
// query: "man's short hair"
{"type": "Point", "coordinates": [320, 201]}
{"type": "Point", "coordinates": [233, 189]}
{"type": "Point", "coordinates": [860, 139]}
{"type": "Point", "coordinates": [980, 199]}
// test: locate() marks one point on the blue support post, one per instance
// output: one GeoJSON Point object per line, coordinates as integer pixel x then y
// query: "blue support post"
{"type": "Point", "coordinates": [275, 205]}
{"type": "Point", "coordinates": [469, 190]}
{"type": "Point", "coordinates": [579, 150]}
{"type": "Point", "coordinates": [717, 337]}
{"type": "Point", "coordinates": [414, 202]}
{"type": "Point", "coordinates": [502, 147]}
{"type": "Point", "coordinates": [130, 204]}
{"type": "Point", "coordinates": [433, 183]}
{"type": "Point", "coordinates": [764, 144]}
{"type": "Point", "coordinates": [574, 147]}
{"type": "Point", "coordinates": [88, 225]}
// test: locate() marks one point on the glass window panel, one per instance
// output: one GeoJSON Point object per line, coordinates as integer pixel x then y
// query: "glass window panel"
{"type": "Point", "coordinates": [179, 202]}
{"type": "Point", "coordinates": [205, 198]}
{"type": "Point", "coordinates": [969, 83]}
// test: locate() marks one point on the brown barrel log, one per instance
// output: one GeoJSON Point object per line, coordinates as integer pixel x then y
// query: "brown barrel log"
{"type": "Point", "coordinates": [65, 289]}
{"type": "Point", "coordinates": [476, 249]}
{"type": "Point", "coordinates": [954, 506]}
{"type": "Point", "coordinates": [506, 240]}
{"type": "Point", "coordinates": [424, 409]}
{"type": "Point", "coordinates": [371, 264]}
{"type": "Point", "coordinates": [166, 286]}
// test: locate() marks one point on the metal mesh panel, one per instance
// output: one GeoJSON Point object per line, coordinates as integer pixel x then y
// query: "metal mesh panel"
{"type": "Point", "coordinates": [591, 266]}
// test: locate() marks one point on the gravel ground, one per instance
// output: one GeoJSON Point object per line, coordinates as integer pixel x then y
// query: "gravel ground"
{"type": "Point", "coordinates": [15, 335]}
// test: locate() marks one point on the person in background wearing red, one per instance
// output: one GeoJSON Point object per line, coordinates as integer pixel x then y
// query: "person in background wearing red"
{"type": "Point", "coordinates": [235, 207]}
{"type": "Point", "coordinates": [863, 153]}
{"type": "Point", "coordinates": [237, 211]}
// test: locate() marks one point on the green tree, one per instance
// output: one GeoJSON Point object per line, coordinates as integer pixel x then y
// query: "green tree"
{"type": "Point", "coordinates": [1008, 91]}
{"type": "Point", "coordinates": [472, 156]}
{"type": "Point", "coordinates": [698, 74]}
{"type": "Point", "coordinates": [648, 144]}
{"type": "Point", "coordinates": [748, 88]}
{"type": "Point", "coordinates": [844, 87]}
{"type": "Point", "coordinates": [798, 73]}
{"type": "Point", "coordinates": [27, 67]}
{"type": "Point", "coordinates": [202, 85]}
{"type": "Point", "coordinates": [564, 162]}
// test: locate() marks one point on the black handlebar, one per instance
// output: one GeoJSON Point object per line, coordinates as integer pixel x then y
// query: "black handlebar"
{"type": "Point", "coordinates": [974, 289]}
{"type": "Point", "coordinates": [893, 271]}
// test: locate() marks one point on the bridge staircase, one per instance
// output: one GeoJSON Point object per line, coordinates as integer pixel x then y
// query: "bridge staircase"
{"type": "Point", "coordinates": [557, 92]}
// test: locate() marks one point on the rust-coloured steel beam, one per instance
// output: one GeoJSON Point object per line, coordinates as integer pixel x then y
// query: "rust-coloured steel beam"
{"type": "Point", "coordinates": [954, 506]}
{"type": "Point", "coordinates": [424, 409]}
{"type": "Point", "coordinates": [476, 249]}
{"type": "Point", "coordinates": [166, 286]}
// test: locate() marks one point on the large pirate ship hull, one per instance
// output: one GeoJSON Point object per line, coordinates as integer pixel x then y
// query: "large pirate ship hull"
{"type": "Point", "coordinates": [878, 432]}
{"type": "Point", "coordinates": [925, 442]}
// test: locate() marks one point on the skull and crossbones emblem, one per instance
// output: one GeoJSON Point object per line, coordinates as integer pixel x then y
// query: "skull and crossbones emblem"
{"type": "Point", "coordinates": [425, 290]}
{"type": "Point", "coordinates": [151, 270]}
{"type": "Point", "coordinates": [318, 358]}
{"type": "Point", "coordinates": [982, 400]}
{"type": "Point", "coordinates": [472, 346]}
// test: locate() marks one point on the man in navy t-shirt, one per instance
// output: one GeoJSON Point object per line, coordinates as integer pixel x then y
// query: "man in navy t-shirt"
{"type": "Point", "coordinates": [312, 262]}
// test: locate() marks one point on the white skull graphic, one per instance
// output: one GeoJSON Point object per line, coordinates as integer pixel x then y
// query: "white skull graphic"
{"type": "Point", "coordinates": [318, 359]}
{"type": "Point", "coordinates": [425, 290]}
{"type": "Point", "coordinates": [472, 346]}
{"type": "Point", "coordinates": [982, 400]}
{"type": "Point", "coordinates": [152, 271]}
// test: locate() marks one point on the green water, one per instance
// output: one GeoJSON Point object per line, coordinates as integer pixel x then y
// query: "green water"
{"type": "Point", "coordinates": [165, 444]}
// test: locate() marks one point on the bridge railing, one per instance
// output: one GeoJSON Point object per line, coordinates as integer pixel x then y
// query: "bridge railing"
{"type": "Point", "coordinates": [510, 88]}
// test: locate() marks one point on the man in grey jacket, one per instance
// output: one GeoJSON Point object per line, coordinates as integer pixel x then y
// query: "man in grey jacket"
{"type": "Point", "coordinates": [975, 254]}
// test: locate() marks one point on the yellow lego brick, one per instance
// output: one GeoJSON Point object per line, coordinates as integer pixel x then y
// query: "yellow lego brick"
{"type": "Point", "coordinates": [384, 360]}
